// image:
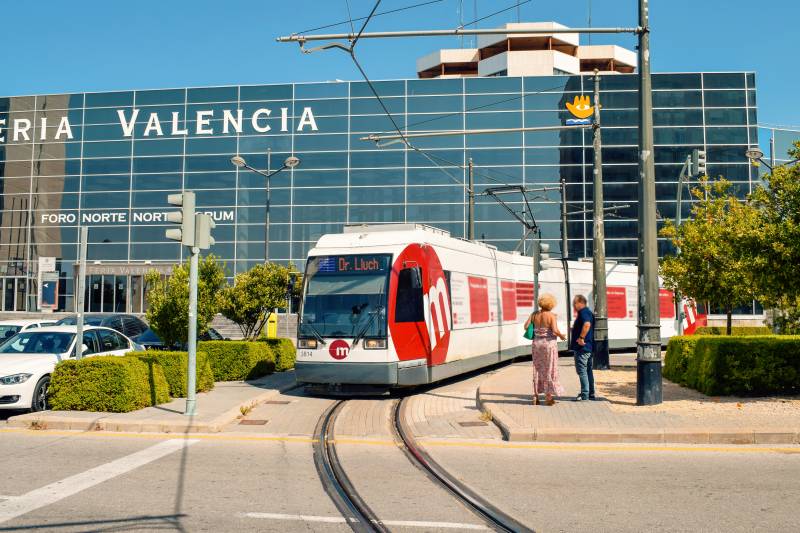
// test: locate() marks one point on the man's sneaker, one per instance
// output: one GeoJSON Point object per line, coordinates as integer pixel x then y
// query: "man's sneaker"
{"type": "Point", "coordinates": [594, 398]}
{"type": "Point", "coordinates": [580, 398]}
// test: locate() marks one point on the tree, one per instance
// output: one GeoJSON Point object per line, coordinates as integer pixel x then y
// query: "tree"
{"type": "Point", "coordinates": [254, 295]}
{"type": "Point", "coordinates": [778, 248]}
{"type": "Point", "coordinates": [168, 300]}
{"type": "Point", "coordinates": [715, 258]}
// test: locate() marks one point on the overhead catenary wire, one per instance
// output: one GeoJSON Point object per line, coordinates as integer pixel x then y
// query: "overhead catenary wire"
{"type": "Point", "coordinates": [397, 10]}
{"type": "Point", "coordinates": [509, 8]}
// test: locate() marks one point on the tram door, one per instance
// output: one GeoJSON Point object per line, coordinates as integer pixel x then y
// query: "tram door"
{"type": "Point", "coordinates": [13, 294]}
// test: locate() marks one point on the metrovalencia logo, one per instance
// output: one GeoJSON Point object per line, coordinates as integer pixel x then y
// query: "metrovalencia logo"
{"type": "Point", "coordinates": [580, 108]}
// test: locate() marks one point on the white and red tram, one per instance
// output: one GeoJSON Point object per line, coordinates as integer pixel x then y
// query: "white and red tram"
{"type": "Point", "coordinates": [404, 304]}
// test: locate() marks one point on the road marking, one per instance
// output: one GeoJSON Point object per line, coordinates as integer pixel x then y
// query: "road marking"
{"type": "Point", "coordinates": [555, 446]}
{"type": "Point", "coordinates": [341, 520]}
{"type": "Point", "coordinates": [72, 485]}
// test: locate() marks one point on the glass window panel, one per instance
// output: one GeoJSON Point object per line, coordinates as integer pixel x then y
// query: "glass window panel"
{"type": "Point", "coordinates": [158, 147]}
{"type": "Point", "coordinates": [730, 172]}
{"type": "Point", "coordinates": [153, 199]}
{"type": "Point", "coordinates": [723, 80]}
{"type": "Point", "coordinates": [117, 99]}
{"type": "Point", "coordinates": [545, 118]}
{"type": "Point", "coordinates": [147, 233]}
{"type": "Point", "coordinates": [435, 104]}
{"type": "Point", "coordinates": [160, 97]}
{"type": "Point", "coordinates": [102, 132]}
{"type": "Point", "coordinates": [204, 163]}
{"type": "Point", "coordinates": [371, 106]}
{"type": "Point", "coordinates": [107, 149]}
{"type": "Point", "coordinates": [624, 82]}
{"type": "Point", "coordinates": [336, 106]}
{"type": "Point", "coordinates": [677, 136]}
{"type": "Point", "coordinates": [725, 98]}
{"type": "Point", "coordinates": [108, 234]}
{"type": "Point", "coordinates": [618, 100]}
{"type": "Point", "coordinates": [364, 214]}
{"type": "Point", "coordinates": [674, 81]}
{"type": "Point", "coordinates": [493, 120]}
{"type": "Point", "coordinates": [549, 156]}
{"type": "Point", "coordinates": [619, 136]}
{"type": "Point", "coordinates": [436, 194]}
{"type": "Point", "coordinates": [106, 183]}
{"type": "Point", "coordinates": [667, 154]}
{"type": "Point", "coordinates": [108, 115]}
{"type": "Point", "coordinates": [158, 164]}
{"type": "Point", "coordinates": [215, 180]}
{"type": "Point", "coordinates": [672, 117]}
{"type": "Point", "coordinates": [494, 102]}
{"type": "Point", "coordinates": [320, 196]}
{"type": "Point", "coordinates": [265, 92]}
{"type": "Point", "coordinates": [433, 122]}
{"type": "Point", "coordinates": [499, 230]}
{"type": "Point", "coordinates": [107, 166]}
{"type": "Point", "coordinates": [304, 143]}
{"type": "Point", "coordinates": [436, 158]}
{"type": "Point", "coordinates": [211, 198]}
{"type": "Point", "coordinates": [751, 98]}
{"type": "Point", "coordinates": [157, 181]}
{"type": "Point", "coordinates": [620, 173]}
{"type": "Point", "coordinates": [434, 86]}
{"type": "Point", "coordinates": [224, 145]}
{"type": "Point", "coordinates": [312, 232]}
{"type": "Point", "coordinates": [677, 99]}
{"type": "Point", "coordinates": [433, 213]}
{"type": "Point", "coordinates": [377, 159]}
{"type": "Point", "coordinates": [552, 84]}
{"type": "Point", "coordinates": [256, 215]}
{"type": "Point", "coordinates": [378, 177]}
{"type": "Point", "coordinates": [318, 214]}
{"type": "Point", "coordinates": [213, 94]}
{"type": "Point", "coordinates": [156, 251]}
{"type": "Point", "coordinates": [547, 101]}
{"type": "Point", "coordinates": [376, 195]}
{"type": "Point", "coordinates": [726, 135]}
{"type": "Point", "coordinates": [107, 252]}
{"type": "Point", "coordinates": [383, 88]}
{"type": "Point", "coordinates": [492, 85]}
{"type": "Point", "coordinates": [164, 114]}
{"type": "Point", "coordinates": [321, 90]}
{"type": "Point", "coordinates": [324, 160]}
{"type": "Point", "coordinates": [260, 145]}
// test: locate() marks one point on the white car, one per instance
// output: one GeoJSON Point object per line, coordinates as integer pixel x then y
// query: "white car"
{"type": "Point", "coordinates": [28, 358]}
{"type": "Point", "coordinates": [9, 328]}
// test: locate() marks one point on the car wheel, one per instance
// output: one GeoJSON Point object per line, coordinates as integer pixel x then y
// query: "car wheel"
{"type": "Point", "coordinates": [39, 400]}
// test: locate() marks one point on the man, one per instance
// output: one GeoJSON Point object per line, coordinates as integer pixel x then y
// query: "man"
{"type": "Point", "coordinates": [582, 343]}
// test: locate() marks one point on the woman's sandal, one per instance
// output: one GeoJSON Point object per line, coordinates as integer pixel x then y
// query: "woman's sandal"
{"type": "Point", "coordinates": [550, 401]}
{"type": "Point", "coordinates": [536, 400]}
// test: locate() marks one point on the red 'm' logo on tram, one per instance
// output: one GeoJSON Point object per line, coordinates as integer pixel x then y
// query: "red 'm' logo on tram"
{"type": "Point", "coordinates": [339, 349]}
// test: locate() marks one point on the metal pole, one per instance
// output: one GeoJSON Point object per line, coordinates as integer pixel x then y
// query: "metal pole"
{"type": "Point", "coordinates": [678, 219]}
{"type": "Point", "coordinates": [471, 208]}
{"type": "Point", "coordinates": [564, 235]}
{"type": "Point", "coordinates": [536, 238]}
{"type": "Point", "coordinates": [191, 392]}
{"type": "Point", "coordinates": [445, 33]}
{"type": "Point", "coordinates": [266, 217]}
{"type": "Point", "coordinates": [601, 358]}
{"type": "Point", "coordinates": [648, 356]}
{"type": "Point", "coordinates": [80, 291]}
{"type": "Point", "coordinates": [772, 149]}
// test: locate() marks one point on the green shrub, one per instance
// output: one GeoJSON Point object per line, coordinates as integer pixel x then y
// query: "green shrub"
{"type": "Point", "coordinates": [284, 351]}
{"type": "Point", "coordinates": [238, 360]}
{"type": "Point", "coordinates": [737, 331]}
{"type": "Point", "coordinates": [745, 366]}
{"type": "Point", "coordinates": [107, 384]}
{"type": "Point", "coordinates": [679, 351]}
{"type": "Point", "coordinates": [176, 370]}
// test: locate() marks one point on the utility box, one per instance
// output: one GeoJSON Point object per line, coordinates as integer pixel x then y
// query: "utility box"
{"type": "Point", "coordinates": [272, 326]}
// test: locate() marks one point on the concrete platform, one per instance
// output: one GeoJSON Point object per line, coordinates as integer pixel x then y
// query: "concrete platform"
{"type": "Point", "coordinates": [215, 410]}
{"type": "Point", "coordinates": [506, 397]}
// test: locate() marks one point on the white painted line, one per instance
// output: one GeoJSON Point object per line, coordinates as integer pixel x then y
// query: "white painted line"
{"type": "Point", "coordinates": [8, 497]}
{"type": "Point", "coordinates": [54, 492]}
{"type": "Point", "coordinates": [341, 520]}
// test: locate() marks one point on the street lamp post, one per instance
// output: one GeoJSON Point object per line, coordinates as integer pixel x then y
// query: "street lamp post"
{"type": "Point", "coordinates": [756, 155]}
{"type": "Point", "coordinates": [601, 357]}
{"type": "Point", "coordinates": [290, 162]}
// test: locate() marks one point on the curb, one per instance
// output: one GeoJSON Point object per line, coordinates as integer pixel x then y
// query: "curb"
{"type": "Point", "coordinates": [109, 422]}
{"type": "Point", "coordinates": [515, 433]}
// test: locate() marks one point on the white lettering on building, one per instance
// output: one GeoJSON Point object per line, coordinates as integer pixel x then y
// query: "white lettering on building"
{"type": "Point", "coordinates": [64, 129]}
{"type": "Point", "coordinates": [229, 120]}
{"type": "Point", "coordinates": [307, 119]}
{"type": "Point", "coordinates": [203, 123]}
{"type": "Point", "coordinates": [256, 115]}
{"type": "Point", "coordinates": [127, 127]}
{"type": "Point", "coordinates": [21, 127]}
{"type": "Point", "coordinates": [153, 124]}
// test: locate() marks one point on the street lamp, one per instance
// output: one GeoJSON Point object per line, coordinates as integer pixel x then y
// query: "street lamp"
{"type": "Point", "coordinates": [756, 156]}
{"type": "Point", "coordinates": [290, 162]}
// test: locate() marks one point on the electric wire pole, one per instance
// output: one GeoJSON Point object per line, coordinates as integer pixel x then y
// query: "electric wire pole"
{"type": "Point", "coordinates": [648, 346]}
{"type": "Point", "coordinates": [601, 359]}
{"type": "Point", "coordinates": [471, 206]}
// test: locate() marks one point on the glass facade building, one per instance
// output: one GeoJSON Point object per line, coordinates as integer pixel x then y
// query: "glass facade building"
{"type": "Point", "coordinates": [109, 161]}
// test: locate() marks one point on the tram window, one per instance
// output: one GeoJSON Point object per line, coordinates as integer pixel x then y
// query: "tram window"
{"type": "Point", "coordinates": [409, 305]}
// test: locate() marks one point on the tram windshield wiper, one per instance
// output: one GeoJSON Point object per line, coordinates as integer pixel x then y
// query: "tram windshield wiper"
{"type": "Point", "coordinates": [364, 330]}
{"type": "Point", "coordinates": [314, 332]}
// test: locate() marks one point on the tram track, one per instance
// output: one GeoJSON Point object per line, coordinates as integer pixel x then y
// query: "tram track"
{"type": "Point", "coordinates": [352, 505]}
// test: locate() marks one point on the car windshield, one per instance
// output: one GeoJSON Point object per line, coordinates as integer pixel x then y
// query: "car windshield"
{"type": "Point", "coordinates": [87, 320]}
{"type": "Point", "coordinates": [38, 342]}
{"type": "Point", "coordinates": [345, 296]}
{"type": "Point", "coordinates": [7, 332]}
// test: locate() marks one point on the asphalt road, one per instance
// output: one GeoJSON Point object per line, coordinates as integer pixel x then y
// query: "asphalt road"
{"type": "Point", "coordinates": [262, 478]}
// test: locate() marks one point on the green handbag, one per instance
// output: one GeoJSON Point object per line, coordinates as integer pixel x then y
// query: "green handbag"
{"type": "Point", "coordinates": [529, 332]}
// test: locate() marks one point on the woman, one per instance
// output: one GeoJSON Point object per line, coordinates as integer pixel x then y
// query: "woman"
{"type": "Point", "coordinates": [545, 350]}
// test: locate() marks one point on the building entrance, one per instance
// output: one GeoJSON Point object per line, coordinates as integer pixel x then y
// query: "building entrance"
{"type": "Point", "coordinates": [118, 288]}
{"type": "Point", "coordinates": [14, 291]}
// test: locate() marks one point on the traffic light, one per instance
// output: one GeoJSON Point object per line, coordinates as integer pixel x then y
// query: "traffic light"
{"type": "Point", "coordinates": [184, 217]}
{"type": "Point", "coordinates": [543, 255]}
{"type": "Point", "coordinates": [203, 224]}
{"type": "Point", "coordinates": [290, 283]}
{"type": "Point", "coordinates": [699, 160]}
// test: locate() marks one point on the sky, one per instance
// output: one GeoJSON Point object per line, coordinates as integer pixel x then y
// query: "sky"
{"type": "Point", "coordinates": [54, 46]}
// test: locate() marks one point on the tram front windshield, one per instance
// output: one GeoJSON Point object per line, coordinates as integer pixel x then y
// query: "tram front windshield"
{"type": "Point", "coordinates": [345, 296]}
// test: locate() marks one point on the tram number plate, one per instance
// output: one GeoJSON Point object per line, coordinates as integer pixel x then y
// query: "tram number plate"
{"type": "Point", "coordinates": [304, 354]}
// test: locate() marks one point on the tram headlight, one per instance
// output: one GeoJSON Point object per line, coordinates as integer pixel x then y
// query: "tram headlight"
{"type": "Point", "coordinates": [309, 344]}
{"type": "Point", "coordinates": [375, 344]}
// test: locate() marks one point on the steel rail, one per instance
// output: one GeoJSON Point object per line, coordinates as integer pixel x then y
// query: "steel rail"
{"type": "Point", "coordinates": [301, 38]}
{"type": "Point", "coordinates": [494, 517]}
{"type": "Point", "coordinates": [337, 485]}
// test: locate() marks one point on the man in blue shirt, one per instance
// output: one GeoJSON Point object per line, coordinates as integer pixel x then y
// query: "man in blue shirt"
{"type": "Point", "coordinates": [582, 341]}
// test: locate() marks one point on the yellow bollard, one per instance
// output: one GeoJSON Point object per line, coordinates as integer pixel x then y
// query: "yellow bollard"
{"type": "Point", "coordinates": [272, 326]}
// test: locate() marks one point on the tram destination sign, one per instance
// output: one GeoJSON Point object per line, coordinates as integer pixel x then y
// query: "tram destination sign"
{"type": "Point", "coordinates": [353, 264]}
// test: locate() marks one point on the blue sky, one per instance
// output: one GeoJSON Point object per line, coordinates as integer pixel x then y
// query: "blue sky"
{"type": "Point", "coordinates": [54, 46]}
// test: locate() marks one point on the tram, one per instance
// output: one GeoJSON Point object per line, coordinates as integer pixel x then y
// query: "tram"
{"type": "Point", "coordinates": [401, 305]}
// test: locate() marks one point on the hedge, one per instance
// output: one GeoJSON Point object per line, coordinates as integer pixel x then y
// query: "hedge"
{"type": "Point", "coordinates": [284, 351]}
{"type": "Point", "coordinates": [743, 366]}
{"type": "Point", "coordinates": [738, 331]}
{"type": "Point", "coordinates": [176, 370]}
{"type": "Point", "coordinates": [107, 384]}
{"type": "Point", "coordinates": [238, 360]}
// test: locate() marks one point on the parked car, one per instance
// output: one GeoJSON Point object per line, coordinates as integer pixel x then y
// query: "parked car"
{"type": "Point", "coordinates": [28, 358]}
{"type": "Point", "coordinates": [151, 341]}
{"type": "Point", "coordinates": [9, 328]}
{"type": "Point", "coordinates": [129, 325]}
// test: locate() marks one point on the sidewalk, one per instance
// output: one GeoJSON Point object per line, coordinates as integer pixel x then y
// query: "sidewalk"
{"type": "Point", "coordinates": [686, 416]}
{"type": "Point", "coordinates": [215, 409]}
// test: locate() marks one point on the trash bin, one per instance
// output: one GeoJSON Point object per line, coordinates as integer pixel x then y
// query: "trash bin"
{"type": "Point", "coordinates": [272, 326]}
